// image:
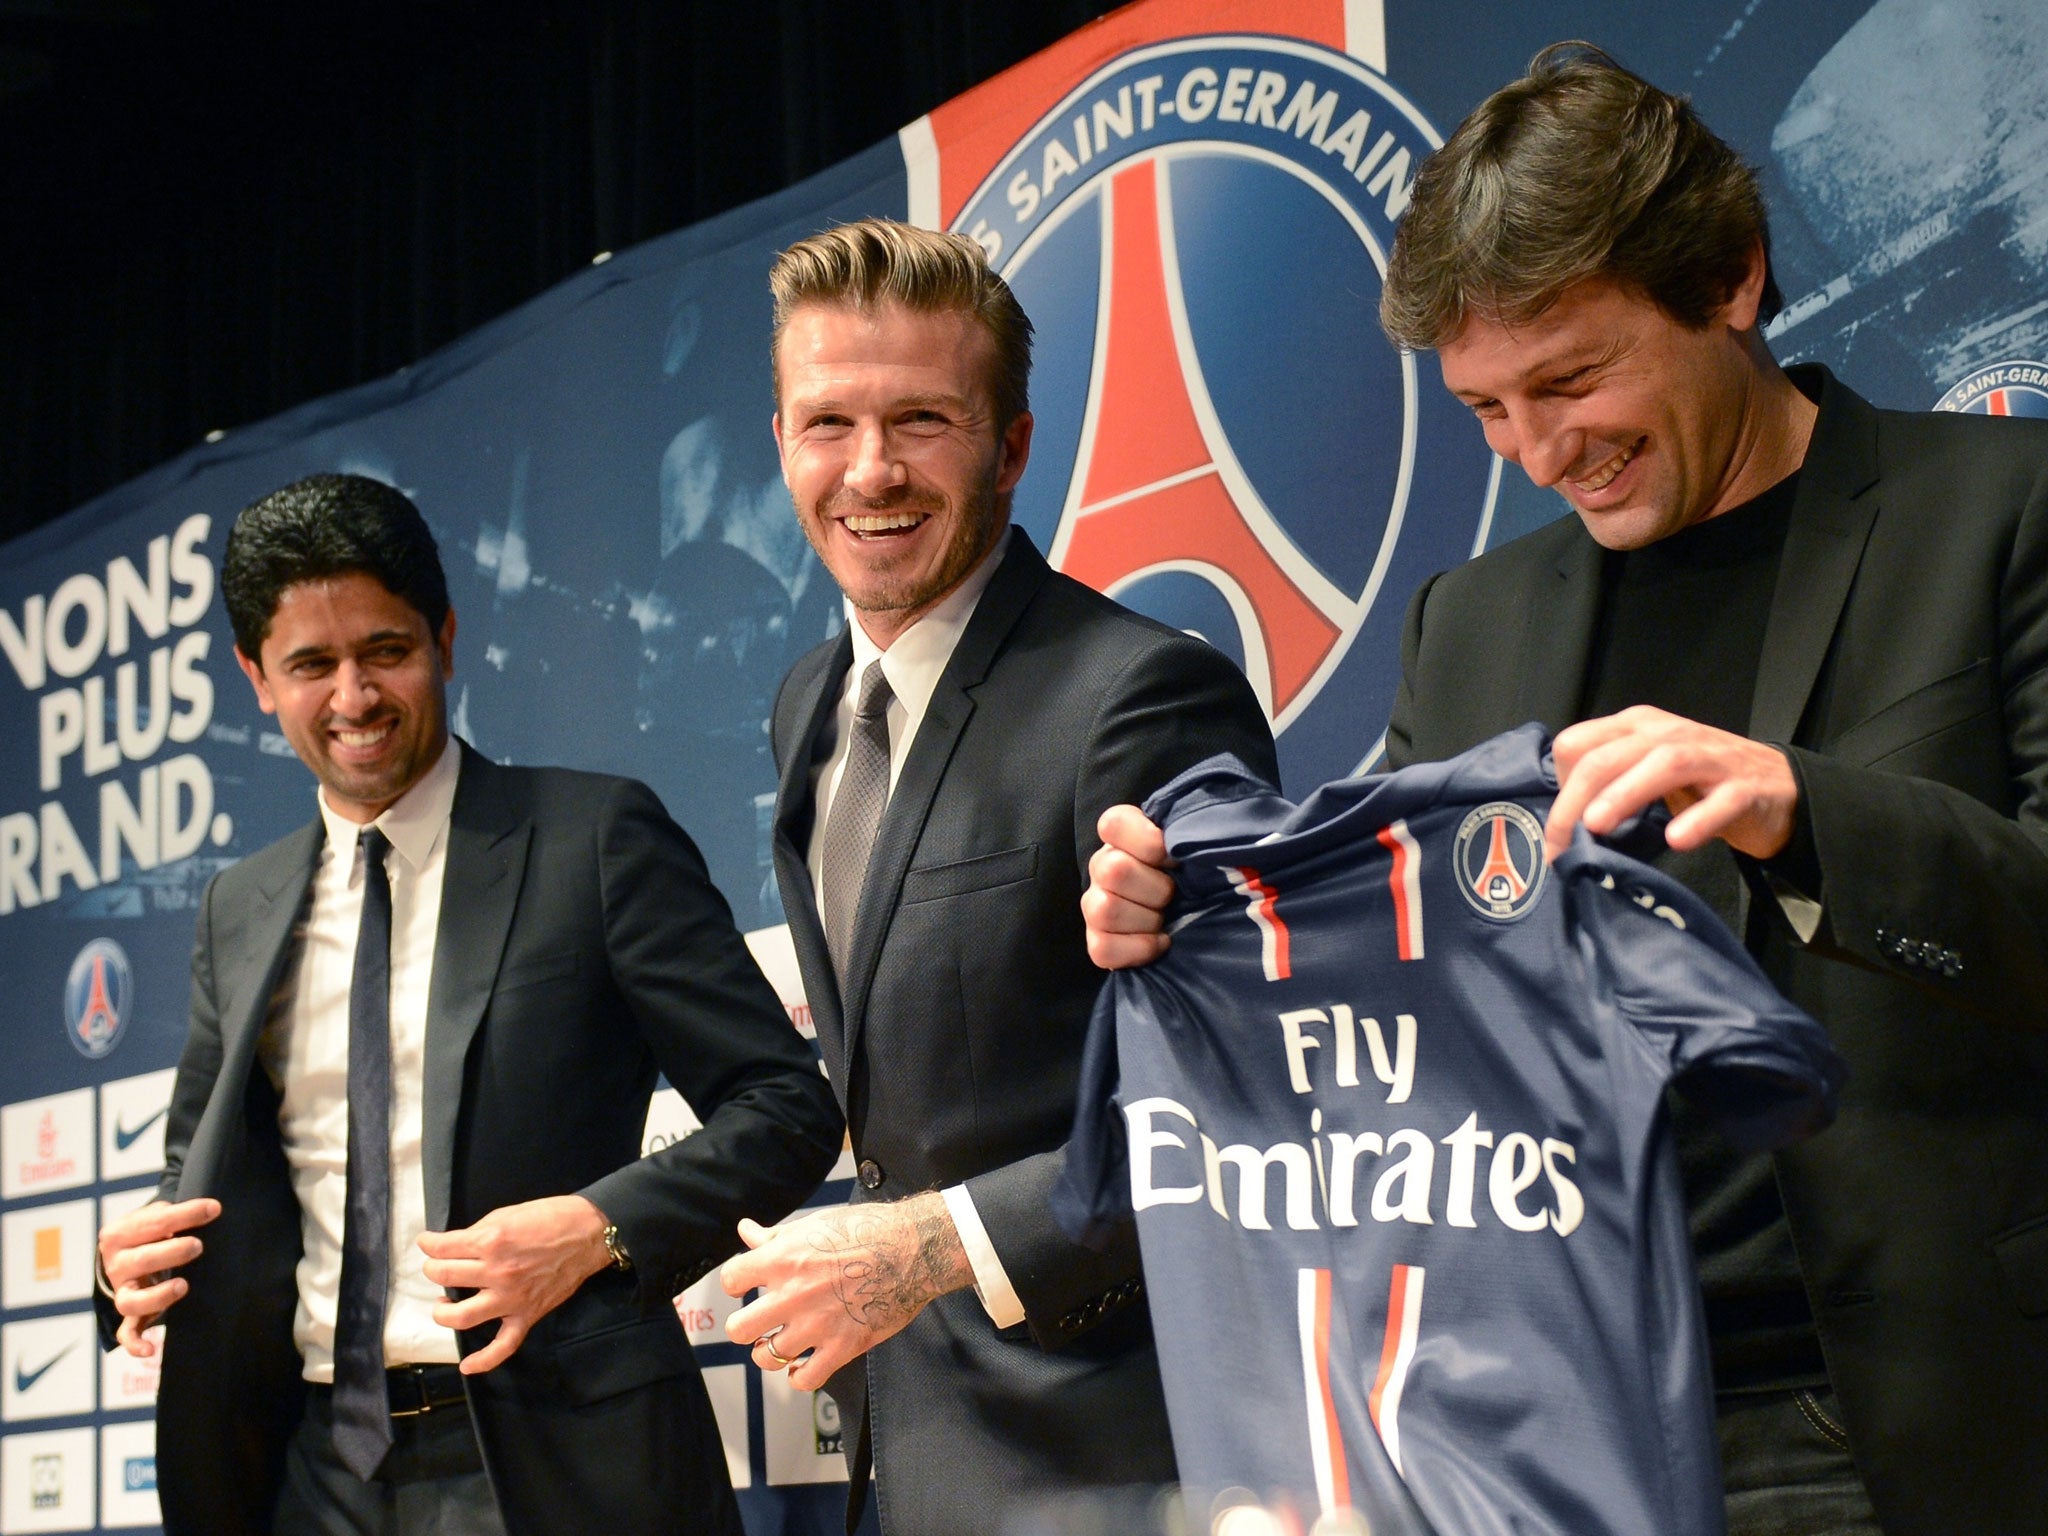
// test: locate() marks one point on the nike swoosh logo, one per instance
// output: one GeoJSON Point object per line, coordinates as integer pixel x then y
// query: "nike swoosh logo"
{"type": "Point", "coordinates": [125, 1138]}
{"type": "Point", "coordinates": [24, 1379]}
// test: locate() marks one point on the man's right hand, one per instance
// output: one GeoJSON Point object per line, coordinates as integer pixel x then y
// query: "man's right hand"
{"type": "Point", "coordinates": [137, 1255]}
{"type": "Point", "coordinates": [1128, 891]}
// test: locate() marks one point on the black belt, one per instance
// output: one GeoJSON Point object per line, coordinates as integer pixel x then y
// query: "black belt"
{"type": "Point", "coordinates": [418, 1389]}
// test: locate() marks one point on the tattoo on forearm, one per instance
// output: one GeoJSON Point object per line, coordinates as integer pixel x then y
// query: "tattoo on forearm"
{"type": "Point", "coordinates": [886, 1274]}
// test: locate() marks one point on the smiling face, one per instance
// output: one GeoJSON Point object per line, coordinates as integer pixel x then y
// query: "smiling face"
{"type": "Point", "coordinates": [889, 447]}
{"type": "Point", "coordinates": [359, 687]}
{"type": "Point", "coordinates": [1644, 425]}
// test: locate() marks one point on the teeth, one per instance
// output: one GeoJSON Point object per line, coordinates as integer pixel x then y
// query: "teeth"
{"type": "Point", "coordinates": [1602, 477]}
{"type": "Point", "coordinates": [363, 738]}
{"type": "Point", "coordinates": [883, 522]}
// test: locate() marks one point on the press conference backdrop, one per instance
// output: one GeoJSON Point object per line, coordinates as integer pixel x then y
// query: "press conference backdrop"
{"type": "Point", "coordinates": [1194, 200]}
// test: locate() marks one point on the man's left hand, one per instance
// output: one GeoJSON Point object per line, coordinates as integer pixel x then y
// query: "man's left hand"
{"type": "Point", "coordinates": [523, 1261]}
{"type": "Point", "coordinates": [1716, 784]}
{"type": "Point", "coordinates": [839, 1282]}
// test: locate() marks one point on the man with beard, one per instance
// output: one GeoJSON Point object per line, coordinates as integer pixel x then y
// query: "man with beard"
{"type": "Point", "coordinates": [943, 763]}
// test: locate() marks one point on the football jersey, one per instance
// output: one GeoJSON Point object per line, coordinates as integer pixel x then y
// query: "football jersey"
{"type": "Point", "coordinates": [1390, 1114]}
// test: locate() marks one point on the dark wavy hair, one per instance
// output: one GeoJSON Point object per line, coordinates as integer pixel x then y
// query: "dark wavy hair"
{"type": "Point", "coordinates": [1578, 169]}
{"type": "Point", "coordinates": [321, 526]}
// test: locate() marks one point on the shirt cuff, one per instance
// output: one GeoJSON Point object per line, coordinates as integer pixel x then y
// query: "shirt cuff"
{"type": "Point", "coordinates": [1794, 873]}
{"type": "Point", "coordinates": [991, 1281]}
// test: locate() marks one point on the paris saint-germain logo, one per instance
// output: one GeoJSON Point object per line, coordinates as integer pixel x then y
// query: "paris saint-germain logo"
{"type": "Point", "coordinates": [97, 997]}
{"type": "Point", "coordinates": [1226, 441]}
{"type": "Point", "coordinates": [2018, 388]}
{"type": "Point", "coordinates": [1498, 861]}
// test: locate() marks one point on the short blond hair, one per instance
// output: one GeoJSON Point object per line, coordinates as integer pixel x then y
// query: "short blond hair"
{"type": "Point", "coordinates": [882, 261]}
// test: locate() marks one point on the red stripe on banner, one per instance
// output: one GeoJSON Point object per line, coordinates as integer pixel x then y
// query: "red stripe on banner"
{"type": "Point", "coordinates": [1340, 1470]}
{"type": "Point", "coordinates": [1997, 404]}
{"type": "Point", "coordinates": [976, 129]}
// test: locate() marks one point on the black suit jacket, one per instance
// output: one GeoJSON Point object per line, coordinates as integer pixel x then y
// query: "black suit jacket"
{"type": "Point", "coordinates": [581, 948]}
{"type": "Point", "coordinates": [1905, 667]}
{"type": "Point", "coordinates": [956, 1047]}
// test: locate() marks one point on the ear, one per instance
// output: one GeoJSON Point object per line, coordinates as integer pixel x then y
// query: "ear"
{"type": "Point", "coordinates": [1740, 312]}
{"type": "Point", "coordinates": [445, 643]}
{"type": "Point", "coordinates": [253, 670]}
{"type": "Point", "coordinates": [1013, 452]}
{"type": "Point", "coordinates": [781, 453]}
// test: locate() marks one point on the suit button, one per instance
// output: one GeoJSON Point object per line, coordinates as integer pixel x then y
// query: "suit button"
{"type": "Point", "coordinates": [1951, 964]}
{"type": "Point", "coordinates": [870, 1173]}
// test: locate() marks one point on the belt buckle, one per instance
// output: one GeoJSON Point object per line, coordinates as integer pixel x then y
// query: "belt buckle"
{"type": "Point", "coordinates": [416, 1377]}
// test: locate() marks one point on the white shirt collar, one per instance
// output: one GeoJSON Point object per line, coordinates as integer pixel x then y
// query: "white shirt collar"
{"type": "Point", "coordinates": [917, 658]}
{"type": "Point", "coordinates": [414, 822]}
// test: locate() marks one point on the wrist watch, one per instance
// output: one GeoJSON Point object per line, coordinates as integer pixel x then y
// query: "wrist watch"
{"type": "Point", "coordinates": [620, 1258]}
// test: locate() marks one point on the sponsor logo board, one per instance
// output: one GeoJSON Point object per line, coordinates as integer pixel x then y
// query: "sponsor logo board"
{"type": "Point", "coordinates": [132, 1115]}
{"type": "Point", "coordinates": [46, 1481]}
{"type": "Point", "coordinates": [46, 1144]}
{"type": "Point", "coordinates": [127, 1381]}
{"type": "Point", "coordinates": [46, 1254]}
{"type": "Point", "coordinates": [128, 1475]}
{"type": "Point", "coordinates": [727, 1387]}
{"type": "Point", "coordinates": [49, 1365]}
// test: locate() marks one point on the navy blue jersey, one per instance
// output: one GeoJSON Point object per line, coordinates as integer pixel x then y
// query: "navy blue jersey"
{"type": "Point", "coordinates": [1390, 1114]}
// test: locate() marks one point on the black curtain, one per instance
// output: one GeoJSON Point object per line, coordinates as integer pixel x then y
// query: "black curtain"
{"type": "Point", "coordinates": [211, 210]}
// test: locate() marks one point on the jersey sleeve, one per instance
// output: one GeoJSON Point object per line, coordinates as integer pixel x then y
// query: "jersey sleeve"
{"type": "Point", "coordinates": [1759, 1067]}
{"type": "Point", "coordinates": [1092, 1196]}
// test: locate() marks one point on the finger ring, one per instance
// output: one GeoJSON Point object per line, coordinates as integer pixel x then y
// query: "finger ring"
{"type": "Point", "coordinates": [767, 1342]}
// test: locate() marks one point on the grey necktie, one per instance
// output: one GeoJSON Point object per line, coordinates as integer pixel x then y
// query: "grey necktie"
{"type": "Point", "coordinates": [856, 813]}
{"type": "Point", "coordinates": [362, 1404]}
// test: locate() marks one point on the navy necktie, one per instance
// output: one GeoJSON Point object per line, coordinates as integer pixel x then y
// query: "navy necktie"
{"type": "Point", "coordinates": [362, 1403]}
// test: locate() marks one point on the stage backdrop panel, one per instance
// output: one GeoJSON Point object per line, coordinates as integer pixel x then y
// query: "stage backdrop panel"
{"type": "Point", "coordinates": [1194, 199]}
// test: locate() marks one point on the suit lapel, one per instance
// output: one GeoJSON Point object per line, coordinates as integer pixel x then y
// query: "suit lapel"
{"type": "Point", "coordinates": [259, 955]}
{"type": "Point", "coordinates": [1557, 633]}
{"type": "Point", "coordinates": [488, 840]}
{"type": "Point", "coordinates": [1012, 587]}
{"type": "Point", "coordinates": [811, 712]}
{"type": "Point", "coordinates": [1830, 526]}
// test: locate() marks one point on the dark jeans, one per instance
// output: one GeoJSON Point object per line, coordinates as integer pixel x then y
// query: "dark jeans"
{"type": "Point", "coordinates": [1785, 1465]}
{"type": "Point", "coordinates": [432, 1483]}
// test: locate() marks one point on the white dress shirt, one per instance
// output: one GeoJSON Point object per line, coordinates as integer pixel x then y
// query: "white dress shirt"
{"type": "Point", "coordinates": [304, 1050]}
{"type": "Point", "coordinates": [913, 664]}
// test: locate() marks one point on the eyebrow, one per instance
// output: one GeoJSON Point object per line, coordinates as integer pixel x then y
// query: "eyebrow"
{"type": "Point", "coordinates": [926, 397]}
{"type": "Point", "coordinates": [310, 652]}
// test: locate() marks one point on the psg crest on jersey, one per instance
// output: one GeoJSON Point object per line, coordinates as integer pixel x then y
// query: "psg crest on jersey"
{"type": "Point", "coordinates": [1499, 855]}
{"type": "Point", "coordinates": [97, 995]}
{"type": "Point", "coordinates": [2017, 388]}
{"type": "Point", "coordinates": [1226, 440]}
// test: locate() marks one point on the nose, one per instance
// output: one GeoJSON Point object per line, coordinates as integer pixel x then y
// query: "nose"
{"type": "Point", "coordinates": [875, 469]}
{"type": "Point", "coordinates": [1529, 435]}
{"type": "Point", "coordinates": [354, 694]}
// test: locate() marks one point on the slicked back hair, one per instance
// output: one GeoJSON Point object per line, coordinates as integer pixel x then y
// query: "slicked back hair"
{"type": "Point", "coordinates": [323, 526]}
{"type": "Point", "coordinates": [872, 262]}
{"type": "Point", "coordinates": [1579, 169]}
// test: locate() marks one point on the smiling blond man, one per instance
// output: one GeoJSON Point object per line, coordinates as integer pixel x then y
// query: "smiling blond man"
{"type": "Point", "coordinates": [943, 763]}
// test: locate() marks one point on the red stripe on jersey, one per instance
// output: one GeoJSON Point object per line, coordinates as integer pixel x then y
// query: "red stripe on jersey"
{"type": "Point", "coordinates": [1404, 879]}
{"type": "Point", "coordinates": [1260, 907]}
{"type": "Point", "coordinates": [1340, 1473]}
{"type": "Point", "coordinates": [1397, 1353]}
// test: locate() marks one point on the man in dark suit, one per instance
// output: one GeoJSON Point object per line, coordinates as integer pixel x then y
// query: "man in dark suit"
{"type": "Point", "coordinates": [407, 1118]}
{"type": "Point", "coordinates": [1819, 632]}
{"type": "Point", "coordinates": [995, 708]}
